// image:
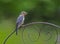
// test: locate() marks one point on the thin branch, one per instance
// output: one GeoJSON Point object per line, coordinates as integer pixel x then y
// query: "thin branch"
{"type": "Point", "coordinates": [42, 23]}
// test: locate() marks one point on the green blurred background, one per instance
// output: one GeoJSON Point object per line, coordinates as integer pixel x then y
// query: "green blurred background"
{"type": "Point", "coordinates": [38, 10]}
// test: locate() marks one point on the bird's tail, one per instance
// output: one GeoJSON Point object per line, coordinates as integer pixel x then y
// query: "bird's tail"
{"type": "Point", "coordinates": [16, 31]}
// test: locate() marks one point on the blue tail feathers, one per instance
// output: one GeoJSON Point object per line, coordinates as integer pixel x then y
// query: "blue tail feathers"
{"type": "Point", "coordinates": [16, 31]}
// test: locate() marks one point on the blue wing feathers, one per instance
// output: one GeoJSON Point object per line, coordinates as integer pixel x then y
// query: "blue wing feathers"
{"type": "Point", "coordinates": [20, 19]}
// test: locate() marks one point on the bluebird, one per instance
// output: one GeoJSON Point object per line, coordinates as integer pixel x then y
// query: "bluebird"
{"type": "Point", "coordinates": [20, 20]}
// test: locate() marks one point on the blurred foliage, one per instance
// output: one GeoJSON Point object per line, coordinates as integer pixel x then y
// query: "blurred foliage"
{"type": "Point", "coordinates": [38, 10]}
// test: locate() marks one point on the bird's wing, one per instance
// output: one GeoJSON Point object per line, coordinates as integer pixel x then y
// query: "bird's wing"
{"type": "Point", "coordinates": [20, 19]}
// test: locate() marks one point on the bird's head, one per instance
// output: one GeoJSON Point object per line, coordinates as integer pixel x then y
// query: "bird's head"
{"type": "Point", "coordinates": [24, 13]}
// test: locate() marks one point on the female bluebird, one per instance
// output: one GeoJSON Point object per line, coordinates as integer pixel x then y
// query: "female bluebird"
{"type": "Point", "coordinates": [20, 20]}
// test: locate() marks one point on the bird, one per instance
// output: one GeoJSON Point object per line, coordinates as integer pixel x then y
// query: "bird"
{"type": "Point", "coordinates": [20, 20]}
